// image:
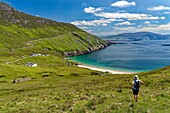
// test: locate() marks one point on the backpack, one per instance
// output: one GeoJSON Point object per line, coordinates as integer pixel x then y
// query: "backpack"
{"type": "Point", "coordinates": [136, 84]}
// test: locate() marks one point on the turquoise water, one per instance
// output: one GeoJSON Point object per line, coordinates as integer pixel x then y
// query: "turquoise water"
{"type": "Point", "coordinates": [133, 56]}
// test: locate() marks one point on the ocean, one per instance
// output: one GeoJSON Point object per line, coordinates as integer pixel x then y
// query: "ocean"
{"type": "Point", "coordinates": [131, 56]}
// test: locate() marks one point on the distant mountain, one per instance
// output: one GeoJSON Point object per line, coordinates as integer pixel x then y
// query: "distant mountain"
{"type": "Point", "coordinates": [20, 30]}
{"type": "Point", "coordinates": [138, 36]}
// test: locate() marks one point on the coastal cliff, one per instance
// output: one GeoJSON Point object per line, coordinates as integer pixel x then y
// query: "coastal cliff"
{"type": "Point", "coordinates": [90, 49]}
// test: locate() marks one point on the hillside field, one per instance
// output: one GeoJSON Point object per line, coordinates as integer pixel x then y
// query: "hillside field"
{"type": "Point", "coordinates": [58, 85]}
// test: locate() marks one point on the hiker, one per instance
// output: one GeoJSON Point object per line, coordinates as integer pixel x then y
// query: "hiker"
{"type": "Point", "coordinates": [135, 86]}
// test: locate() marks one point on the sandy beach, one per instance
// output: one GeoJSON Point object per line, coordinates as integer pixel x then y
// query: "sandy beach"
{"type": "Point", "coordinates": [104, 70]}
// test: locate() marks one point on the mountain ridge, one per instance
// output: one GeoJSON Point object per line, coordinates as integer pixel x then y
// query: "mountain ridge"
{"type": "Point", "coordinates": [13, 16]}
{"type": "Point", "coordinates": [138, 36]}
{"type": "Point", "coordinates": [18, 28]}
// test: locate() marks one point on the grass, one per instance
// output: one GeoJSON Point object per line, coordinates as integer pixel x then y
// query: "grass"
{"type": "Point", "coordinates": [69, 42]}
{"type": "Point", "coordinates": [68, 88]}
{"type": "Point", "coordinates": [18, 29]}
{"type": "Point", "coordinates": [47, 37]}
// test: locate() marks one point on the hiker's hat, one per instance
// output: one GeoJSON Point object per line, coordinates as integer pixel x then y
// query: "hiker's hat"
{"type": "Point", "coordinates": [136, 77]}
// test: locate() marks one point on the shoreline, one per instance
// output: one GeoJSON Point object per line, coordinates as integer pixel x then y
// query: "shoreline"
{"type": "Point", "coordinates": [104, 70]}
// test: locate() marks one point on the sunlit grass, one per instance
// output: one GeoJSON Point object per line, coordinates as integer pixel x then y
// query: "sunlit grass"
{"type": "Point", "coordinates": [68, 88]}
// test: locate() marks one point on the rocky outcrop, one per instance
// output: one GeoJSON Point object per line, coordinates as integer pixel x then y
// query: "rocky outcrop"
{"type": "Point", "coordinates": [23, 79]}
{"type": "Point", "coordinates": [5, 7]}
{"type": "Point", "coordinates": [10, 15]}
{"type": "Point", "coordinates": [90, 49]}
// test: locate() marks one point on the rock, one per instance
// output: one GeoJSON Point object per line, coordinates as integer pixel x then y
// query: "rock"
{"type": "Point", "coordinates": [90, 49]}
{"type": "Point", "coordinates": [95, 73]}
{"type": "Point", "coordinates": [5, 7]}
{"type": "Point", "coordinates": [74, 74]}
{"type": "Point", "coordinates": [22, 79]}
{"type": "Point", "coordinates": [1, 76]}
{"type": "Point", "coordinates": [61, 75]}
{"type": "Point", "coordinates": [45, 75]}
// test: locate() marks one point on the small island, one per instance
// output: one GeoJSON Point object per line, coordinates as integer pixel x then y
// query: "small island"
{"type": "Point", "coordinates": [165, 44]}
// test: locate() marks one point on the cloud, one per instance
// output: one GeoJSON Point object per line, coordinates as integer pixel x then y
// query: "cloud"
{"type": "Point", "coordinates": [158, 8]}
{"type": "Point", "coordinates": [89, 31]}
{"type": "Point", "coordinates": [166, 12]}
{"type": "Point", "coordinates": [146, 22]}
{"type": "Point", "coordinates": [83, 27]}
{"type": "Point", "coordinates": [84, 23]}
{"type": "Point", "coordinates": [155, 21]}
{"type": "Point", "coordinates": [92, 10]}
{"type": "Point", "coordinates": [84, 4]}
{"type": "Point", "coordinates": [122, 14]}
{"type": "Point", "coordinates": [102, 22]}
{"type": "Point", "coordinates": [129, 16]}
{"type": "Point", "coordinates": [150, 23]}
{"type": "Point", "coordinates": [139, 26]}
{"type": "Point", "coordinates": [123, 3]}
{"type": "Point", "coordinates": [163, 28]}
{"type": "Point", "coordinates": [158, 28]}
{"type": "Point", "coordinates": [125, 23]}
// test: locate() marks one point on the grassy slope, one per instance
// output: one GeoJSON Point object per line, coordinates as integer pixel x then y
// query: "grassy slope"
{"type": "Point", "coordinates": [17, 29]}
{"type": "Point", "coordinates": [78, 90]}
{"type": "Point", "coordinates": [47, 37]}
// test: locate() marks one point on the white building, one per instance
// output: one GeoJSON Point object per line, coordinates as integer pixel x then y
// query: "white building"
{"type": "Point", "coordinates": [30, 64]}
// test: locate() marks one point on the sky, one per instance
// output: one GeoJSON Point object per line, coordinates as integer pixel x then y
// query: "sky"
{"type": "Point", "coordinates": [102, 17]}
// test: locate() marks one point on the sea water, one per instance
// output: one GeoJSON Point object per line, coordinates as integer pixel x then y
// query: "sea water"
{"type": "Point", "coordinates": [131, 56]}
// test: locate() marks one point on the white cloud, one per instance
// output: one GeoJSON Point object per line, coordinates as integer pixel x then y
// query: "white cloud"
{"type": "Point", "coordinates": [139, 26]}
{"type": "Point", "coordinates": [150, 23]}
{"type": "Point", "coordinates": [166, 12]}
{"type": "Point", "coordinates": [123, 3]}
{"type": "Point", "coordinates": [125, 23]}
{"type": "Point", "coordinates": [89, 31]}
{"type": "Point", "coordinates": [84, 23]}
{"type": "Point", "coordinates": [129, 16]}
{"type": "Point", "coordinates": [146, 22]}
{"type": "Point", "coordinates": [108, 16]}
{"type": "Point", "coordinates": [102, 22]}
{"type": "Point", "coordinates": [162, 29]}
{"type": "Point", "coordinates": [158, 8]}
{"type": "Point", "coordinates": [155, 21]}
{"type": "Point", "coordinates": [84, 4]}
{"type": "Point", "coordinates": [118, 20]}
{"type": "Point", "coordinates": [162, 17]}
{"type": "Point", "coordinates": [121, 11]}
{"type": "Point", "coordinates": [83, 27]}
{"type": "Point", "coordinates": [158, 28]}
{"type": "Point", "coordinates": [92, 10]}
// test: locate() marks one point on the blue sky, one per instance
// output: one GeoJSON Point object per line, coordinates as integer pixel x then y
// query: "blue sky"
{"type": "Point", "coordinates": [103, 17]}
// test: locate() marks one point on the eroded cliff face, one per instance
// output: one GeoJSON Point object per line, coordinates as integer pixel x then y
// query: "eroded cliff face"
{"type": "Point", "coordinates": [91, 49]}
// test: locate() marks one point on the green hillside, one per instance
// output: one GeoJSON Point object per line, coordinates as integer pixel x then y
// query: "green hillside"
{"type": "Point", "coordinates": [57, 85]}
{"type": "Point", "coordinates": [17, 29]}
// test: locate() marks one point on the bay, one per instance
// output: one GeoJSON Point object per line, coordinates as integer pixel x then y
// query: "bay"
{"type": "Point", "coordinates": [132, 56]}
